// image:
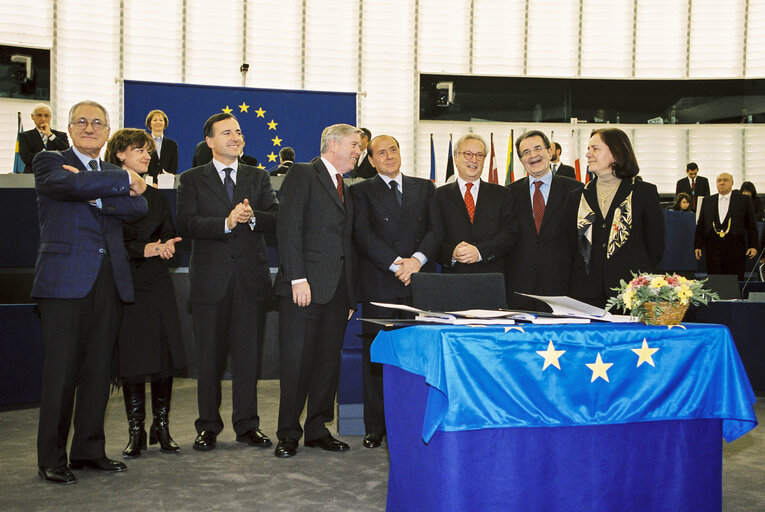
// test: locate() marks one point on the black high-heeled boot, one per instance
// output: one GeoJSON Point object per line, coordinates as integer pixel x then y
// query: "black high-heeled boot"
{"type": "Point", "coordinates": [160, 408]}
{"type": "Point", "coordinates": [135, 400]}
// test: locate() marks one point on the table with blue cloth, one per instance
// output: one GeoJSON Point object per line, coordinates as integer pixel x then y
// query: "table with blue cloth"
{"type": "Point", "coordinates": [560, 417]}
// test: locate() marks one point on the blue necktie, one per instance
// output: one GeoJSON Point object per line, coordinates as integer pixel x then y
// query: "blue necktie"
{"type": "Point", "coordinates": [228, 182]}
{"type": "Point", "coordinates": [396, 192]}
{"type": "Point", "coordinates": [93, 164]}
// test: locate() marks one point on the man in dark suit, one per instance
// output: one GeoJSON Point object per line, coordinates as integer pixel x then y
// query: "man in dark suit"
{"type": "Point", "coordinates": [315, 288]}
{"type": "Point", "coordinates": [40, 138]}
{"type": "Point", "coordinates": [363, 167]}
{"type": "Point", "coordinates": [82, 278]}
{"type": "Point", "coordinates": [694, 185]}
{"type": "Point", "coordinates": [397, 232]}
{"type": "Point", "coordinates": [540, 262]}
{"type": "Point", "coordinates": [286, 159]}
{"type": "Point", "coordinates": [165, 158]}
{"type": "Point", "coordinates": [727, 230]}
{"type": "Point", "coordinates": [225, 206]}
{"type": "Point", "coordinates": [557, 167]}
{"type": "Point", "coordinates": [476, 215]}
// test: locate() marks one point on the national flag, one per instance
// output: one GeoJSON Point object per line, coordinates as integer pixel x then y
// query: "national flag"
{"type": "Point", "coordinates": [450, 161]}
{"type": "Point", "coordinates": [577, 163]}
{"type": "Point", "coordinates": [509, 178]}
{"type": "Point", "coordinates": [493, 164]}
{"type": "Point", "coordinates": [432, 160]}
{"type": "Point", "coordinates": [18, 163]}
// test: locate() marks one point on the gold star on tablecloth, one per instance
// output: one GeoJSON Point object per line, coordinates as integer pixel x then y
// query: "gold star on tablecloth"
{"type": "Point", "coordinates": [260, 112]}
{"type": "Point", "coordinates": [272, 125]}
{"type": "Point", "coordinates": [277, 141]}
{"type": "Point", "coordinates": [599, 369]}
{"type": "Point", "coordinates": [551, 356]}
{"type": "Point", "coordinates": [243, 107]}
{"type": "Point", "coordinates": [227, 110]}
{"type": "Point", "coordinates": [644, 354]}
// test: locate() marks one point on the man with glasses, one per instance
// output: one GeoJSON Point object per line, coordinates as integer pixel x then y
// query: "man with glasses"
{"type": "Point", "coordinates": [41, 137]}
{"type": "Point", "coordinates": [82, 278]}
{"type": "Point", "coordinates": [476, 215]}
{"type": "Point", "coordinates": [540, 262]}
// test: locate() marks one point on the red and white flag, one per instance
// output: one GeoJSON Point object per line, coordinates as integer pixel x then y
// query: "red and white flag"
{"type": "Point", "coordinates": [493, 164]}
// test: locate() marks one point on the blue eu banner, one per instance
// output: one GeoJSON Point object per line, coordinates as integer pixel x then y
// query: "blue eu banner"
{"type": "Point", "coordinates": [270, 119]}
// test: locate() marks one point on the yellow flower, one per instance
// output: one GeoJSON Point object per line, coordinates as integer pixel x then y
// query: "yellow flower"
{"type": "Point", "coordinates": [629, 293]}
{"type": "Point", "coordinates": [684, 293]}
{"type": "Point", "coordinates": [658, 282]}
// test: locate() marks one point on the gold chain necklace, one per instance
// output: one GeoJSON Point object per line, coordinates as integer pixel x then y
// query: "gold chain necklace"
{"type": "Point", "coordinates": [606, 196]}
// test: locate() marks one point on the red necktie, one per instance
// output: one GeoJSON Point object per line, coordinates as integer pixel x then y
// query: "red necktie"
{"type": "Point", "coordinates": [339, 179]}
{"type": "Point", "coordinates": [538, 205]}
{"type": "Point", "coordinates": [693, 184]}
{"type": "Point", "coordinates": [469, 201]}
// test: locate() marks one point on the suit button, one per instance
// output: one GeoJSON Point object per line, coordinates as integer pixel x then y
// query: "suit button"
{"type": "Point", "coordinates": [102, 250]}
{"type": "Point", "coordinates": [604, 246]}
{"type": "Point", "coordinates": [603, 226]}
{"type": "Point", "coordinates": [386, 219]}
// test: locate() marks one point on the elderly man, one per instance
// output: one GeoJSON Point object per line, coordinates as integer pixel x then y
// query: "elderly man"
{"type": "Point", "coordinates": [41, 137]}
{"type": "Point", "coordinates": [397, 232]}
{"type": "Point", "coordinates": [540, 262]}
{"type": "Point", "coordinates": [315, 286]}
{"type": "Point", "coordinates": [727, 230]}
{"type": "Point", "coordinates": [82, 278]}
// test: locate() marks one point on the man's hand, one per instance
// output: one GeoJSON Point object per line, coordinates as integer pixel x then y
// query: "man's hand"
{"type": "Point", "coordinates": [350, 313]}
{"type": "Point", "coordinates": [465, 253]}
{"type": "Point", "coordinates": [137, 184]}
{"type": "Point", "coordinates": [164, 251]}
{"type": "Point", "coordinates": [751, 253]}
{"type": "Point", "coordinates": [246, 213]}
{"type": "Point", "coordinates": [301, 294]}
{"type": "Point", "coordinates": [408, 266]}
{"type": "Point", "coordinates": [697, 252]}
{"type": "Point", "coordinates": [233, 217]}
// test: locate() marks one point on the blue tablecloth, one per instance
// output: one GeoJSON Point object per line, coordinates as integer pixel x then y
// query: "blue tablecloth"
{"type": "Point", "coordinates": [495, 377]}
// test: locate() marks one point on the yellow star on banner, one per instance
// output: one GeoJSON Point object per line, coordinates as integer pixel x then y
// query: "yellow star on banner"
{"type": "Point", "coordinates": [243, 107]}
{"type": "Point", "coordinates": [599, 369]}
{"type": "Point", "coordinates": [226, 110]}
{"type": "Point", "coordinates": [277, 141]}
{"type": "Point", "coordinates": [551, 356]}
{"type": "Point", "coordinates": [644, 354]}
{"type": "Point", "coordinates": [272, 125]}
{"type": "Point", "coordinates": [260, 166]}
{"type": "Point", "coordinates": [271, 157]}
{"type": "Point", "coordinates": [260, 112]}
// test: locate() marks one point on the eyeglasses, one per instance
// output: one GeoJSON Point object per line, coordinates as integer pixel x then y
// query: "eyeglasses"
{"type": "Point", "coordinates": [469, 155]}
{"type": "Point", "coordinates": [536, 149]}
{"type": "Point", "coordinates": [97, 124]}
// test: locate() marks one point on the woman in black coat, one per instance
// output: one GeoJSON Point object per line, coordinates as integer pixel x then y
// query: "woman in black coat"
{"type": "Point", "coordinates": [165, 158]}
{"type": "Point", "coordinates": [618, 227]}
{"type": "Point", "coordinates": [150, 346]}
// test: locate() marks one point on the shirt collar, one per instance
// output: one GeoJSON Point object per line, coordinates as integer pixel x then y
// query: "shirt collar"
{"type": "Point", "coordinates": [220, 166]}
{"type": "Point", "coordinates": [85, 158]}
{"type": "Point", "coordinates": [331, 168]}
{"type": "Point", "coordinates": [726, 196]}
{"type": "Point", "coordinates": [398, 179]}
{"type": "Point", "coordinates": [475, 187]}
{"type": "Point", "coordinates": [546, 179]}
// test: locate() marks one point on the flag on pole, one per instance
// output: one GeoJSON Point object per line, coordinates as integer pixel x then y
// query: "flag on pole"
{"type": "Point", "coordinates": [432, 160]}
{"type": "Point", "coordinates": [509, 178]}
{"type": "Point", "coordinates": [493, 178]}
{"type": "Point", "coordinates": [18, 163]}
{"type": "Point", "coordinates": [577, 163]}
{"type": "Point", "coordinates": [450, 161]}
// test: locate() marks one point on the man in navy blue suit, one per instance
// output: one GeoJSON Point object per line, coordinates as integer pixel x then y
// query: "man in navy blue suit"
{"type": "Point", "coordinates": [82, 279]}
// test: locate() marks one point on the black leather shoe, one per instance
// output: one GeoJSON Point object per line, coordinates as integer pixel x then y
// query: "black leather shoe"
{"type": "Point", "coordinates": [328, 443]}
{"type": "Point", "coordinates": [205, 441]}
{"type": "Point", "coordinates": [102, 464]}
{"type": "Point", "coordinates": [57, 475]}
{"type": "Point", "coordinates": [254, 437]}
{"type": "Point", "coordinates": [373, 440]}
{"type": "Point", "coordinates": [286, 447]}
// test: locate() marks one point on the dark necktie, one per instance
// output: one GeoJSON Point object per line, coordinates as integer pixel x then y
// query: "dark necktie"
{"type": "Point", "coordinates": [228, 183]}
{"type": "Point", "coordinates": [396, 192]}
{"type": "Point", "coordinates": [93, 164]}
{"type": "Point", "coordinates": [538, 205]}
{"type": "Point", "coordinates": [469, 201]}
{"type": "Point", "coordinates": [339, 179]}
{"type": "Point", "coordinates": [554, 167]}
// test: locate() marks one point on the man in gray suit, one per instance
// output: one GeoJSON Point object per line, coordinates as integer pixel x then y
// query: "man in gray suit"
{"type": "Point", "coordinates": [315, 288]}
{"type": "Point", "coordinates": [224, 206]}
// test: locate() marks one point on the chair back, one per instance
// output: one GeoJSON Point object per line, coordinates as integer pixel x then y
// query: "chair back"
{"type": "Point", "coordinates": [726, 286]}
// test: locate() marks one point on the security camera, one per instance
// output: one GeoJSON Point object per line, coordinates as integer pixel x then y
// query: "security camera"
{"type": "Point", "coordinates": [25, 73]}
{"type": "Point", "coordinates": [444, 94]}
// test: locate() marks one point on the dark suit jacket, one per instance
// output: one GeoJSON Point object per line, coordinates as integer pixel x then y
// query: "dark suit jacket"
{"type": "Point", "coordinates": [30, 143]}
{"type": "Point", "coordinates": [491, 231]}
{"type": "Point", "coordinates": [741, 214]}
{"type": "Point", "coordinates": [314, 231]}
{"type": "Point", "coordinates": [684, 185]}
{"type": "Point", "coordinates": [364, 169]}
{"type": "Point", "coordinates": [217, 256]}
{"type": "Point", "coordinates": [565, 170]}
{"type": "Point", "coordinates": [280, 169]}
{"type": "Point", "coordinates": [384, 231]}
{"type": "Point", "coordinates": [167, 159]}
{"type": "Point", "coordinates": [641, 252]}
{"type": "Point", "coordinates": [74, 235]}
{"type": "Point", "coordinates": [540, 264]}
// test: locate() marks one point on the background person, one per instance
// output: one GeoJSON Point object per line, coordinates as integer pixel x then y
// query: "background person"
{"type": "Point", "coordinates": [682, 203]}
{"type": "Point", "coordinates": [40, 138]}
{"type": "Point", "coordinates": [748, 189]}
{"type": "Point", "coordinates": [165, 158]}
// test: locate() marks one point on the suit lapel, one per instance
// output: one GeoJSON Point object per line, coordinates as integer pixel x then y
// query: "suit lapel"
{"type": "Point", "coordinates": [212, 179]}
{"type": "Point", "coordinates": [459, 202]}
{"type": "Point", "coordinates": [383, 194]}
{"type": "Point", "coordinates": [527, 209]}
{"type": "Point", "coordinates": [243, 184]}
{"type": "Point", "coordinates": [322, 173]}
{"type": "Point", "coordinates": [483, 192]}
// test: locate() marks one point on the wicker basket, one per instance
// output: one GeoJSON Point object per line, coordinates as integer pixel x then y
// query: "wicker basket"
{"type": "Point", "coordinates": [672, 313]}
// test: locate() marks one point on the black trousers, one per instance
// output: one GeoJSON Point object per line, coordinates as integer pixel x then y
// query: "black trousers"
{"type": "Point", "coordinates": [79, 337]}
{"type": "Point", "coordinates": [374, 405]}
{"type": "Point", "coordinates": [234, 324]}
{"type": "Point", "coordinates": [310, 339]}
{"type": "Point", "coordinates": [726, 255]}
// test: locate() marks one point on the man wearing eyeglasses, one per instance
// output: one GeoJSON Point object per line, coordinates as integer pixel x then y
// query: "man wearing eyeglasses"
{"type": "Point", "coordinates": [476, 215]}
{"type": "Point", "coordinates": [540, 262]}
{"type": "Point", "coordinates": [82, 278]}
{"type": "Point", "coordinates": [41, 137]}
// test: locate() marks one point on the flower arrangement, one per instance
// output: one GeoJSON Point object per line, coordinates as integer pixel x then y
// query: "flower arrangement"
{"type": "Point", "coordinates": [649, 296]}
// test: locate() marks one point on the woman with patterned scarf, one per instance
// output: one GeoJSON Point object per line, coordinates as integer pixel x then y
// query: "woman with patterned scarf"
{"type": "Point", "coordinates": [619, 221]}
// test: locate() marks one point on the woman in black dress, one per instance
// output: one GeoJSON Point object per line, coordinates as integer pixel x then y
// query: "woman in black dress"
{"type": "Point", "coordinates": [165, 156]}
{"type": "Point", "coordinates": [619, 222]}
{"type": "Point", "coordinates": [150, 345]}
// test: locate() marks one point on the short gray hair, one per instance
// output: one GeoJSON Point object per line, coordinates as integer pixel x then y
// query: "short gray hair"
{"type": "Point", "coordinates": [468, 136]}
{"type": "Point", "coordinates": [41, 105]}
{"type": "Point", "coordinates": [336, 132]}
{"type": "Point", "coordinates": [89, 103]}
